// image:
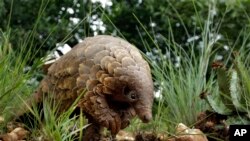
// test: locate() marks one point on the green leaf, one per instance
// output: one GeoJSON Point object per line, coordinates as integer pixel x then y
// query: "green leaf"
{"type": "Point", "coordinates": [217, 104]}
{"type": "Point", "coordinates": [223, 77]}
{"type": "Point", "coordinates": [236, 91]}
{"type": "Point", "coordinates": [244, 74]}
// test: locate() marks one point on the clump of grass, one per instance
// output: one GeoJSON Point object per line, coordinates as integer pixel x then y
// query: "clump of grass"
{"type": "Point", "coordinates": [15, 86]}
{"type": "Point", "coordinates": [51, 125]}
{"type": "Point", "coordinates": [15, 89]}
{"type": "Point", "coordinates": [15, 70]}
{"type": "Point", "coordinates": [13, 75]}
{"type": "Point", "coordinates": [179, 84]}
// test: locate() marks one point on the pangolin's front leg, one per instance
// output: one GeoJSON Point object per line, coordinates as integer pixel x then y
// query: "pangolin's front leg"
{"type": "Point", "coordinates": [94, 131]}
{"type": "Point", "coordinates": [97, 107]}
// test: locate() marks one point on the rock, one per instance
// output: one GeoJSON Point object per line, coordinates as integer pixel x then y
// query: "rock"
{"type": "Point", "coordinates": [17, 134]}
{"type": "Point", "coordinates": [183, 133]}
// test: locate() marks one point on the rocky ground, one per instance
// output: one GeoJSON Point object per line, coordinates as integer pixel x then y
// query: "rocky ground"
{"type": "Point", "coordinates": [17, 132]}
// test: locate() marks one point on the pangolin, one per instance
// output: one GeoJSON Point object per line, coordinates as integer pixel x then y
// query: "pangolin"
{"type": "Point", "coordinates": [117, 80]}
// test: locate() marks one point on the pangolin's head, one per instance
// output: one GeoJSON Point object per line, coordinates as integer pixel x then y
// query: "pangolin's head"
{"type": "Point", "coordinates": [143, 87]}
{"type": "Point", "coordinates": [137, 89]}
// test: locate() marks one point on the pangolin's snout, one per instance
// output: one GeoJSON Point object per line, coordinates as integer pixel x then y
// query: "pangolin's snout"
{"type": "Point", "coordinates": [147, 118]}
{"type": "Point", "coordinates": [144, 112]}
{"type": "Point", "coordinates": [145, 115]}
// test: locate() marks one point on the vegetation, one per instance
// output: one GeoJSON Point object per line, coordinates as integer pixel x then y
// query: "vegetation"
{"type": "Point", "coordinates": [233, 89]}
{"type": "Point", "coordinates": [180, 39]}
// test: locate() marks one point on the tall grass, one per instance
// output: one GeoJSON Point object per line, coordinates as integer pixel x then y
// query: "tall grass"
{"type": "Point", "coordinates": [15, 69]}
{"type": "Point", "coordinates": [16, 75]}
{"type": "Point", "coordinates": [12, 74]}
{"type": "Point", "coordinates": [51, 125]}
{"type": "Point", "coordinates": [180, 86]}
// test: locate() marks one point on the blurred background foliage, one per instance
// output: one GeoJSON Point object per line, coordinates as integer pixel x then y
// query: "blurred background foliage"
{"type": "Point", "coordinates": [55, 22]}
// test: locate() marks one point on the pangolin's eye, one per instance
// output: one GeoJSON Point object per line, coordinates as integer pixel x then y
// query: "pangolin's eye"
{"type": "Point", "coordinates": [129, 94]}
{"type": "Point", "coordinates": [133, 95]}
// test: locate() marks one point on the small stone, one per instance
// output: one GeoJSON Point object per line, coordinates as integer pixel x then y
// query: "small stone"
{"type": "Point", "coordinates": [183, 133]}
{"type": "Point", "coordinates": [15, 135]}
{"type": "Point", "coordinates": [124, 136]}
